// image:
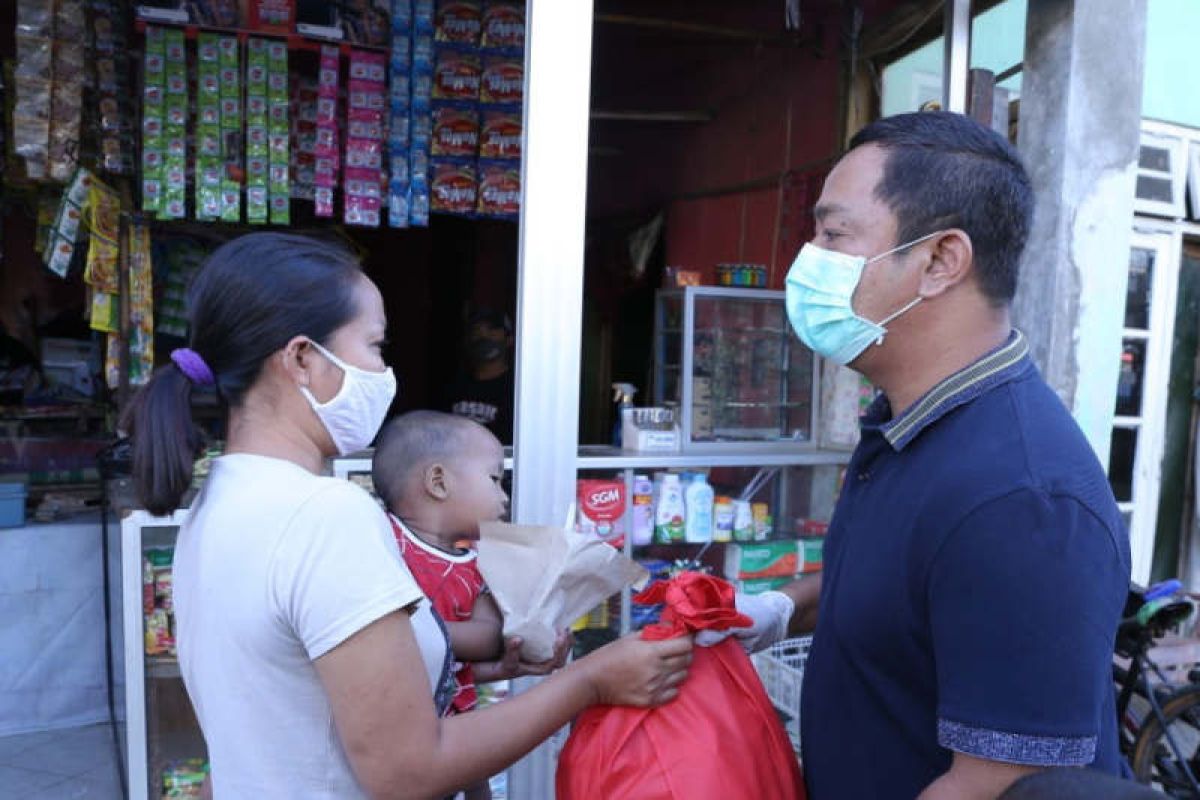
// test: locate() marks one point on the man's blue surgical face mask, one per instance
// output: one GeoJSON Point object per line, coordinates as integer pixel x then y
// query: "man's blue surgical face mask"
{"type": "Point", "coordinates": [820, 287]}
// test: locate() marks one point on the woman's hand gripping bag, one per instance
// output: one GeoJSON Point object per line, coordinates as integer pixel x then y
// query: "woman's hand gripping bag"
{"type": "Point", "coordinates": [720, 739]}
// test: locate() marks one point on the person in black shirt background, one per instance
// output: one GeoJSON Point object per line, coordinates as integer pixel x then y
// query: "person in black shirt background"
{"type": "Point", "coordinates": [484, 392]}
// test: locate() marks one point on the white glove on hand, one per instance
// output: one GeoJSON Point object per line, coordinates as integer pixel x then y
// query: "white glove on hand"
{"type": "Point", "coordinates": [771, 612]}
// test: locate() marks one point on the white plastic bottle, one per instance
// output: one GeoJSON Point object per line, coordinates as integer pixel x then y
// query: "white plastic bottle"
{"type": "Point", "coordinates": [643, 510]}
{"type": "Point", "coordinates": [671, 512]}
{"type": "Point", "coordinates": [699, 497]}
{"type": "Point", "coordinates": [743, 521]}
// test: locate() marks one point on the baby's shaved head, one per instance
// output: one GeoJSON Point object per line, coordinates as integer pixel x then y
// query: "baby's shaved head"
{"type": "Point", "coordinates": [413, 441]}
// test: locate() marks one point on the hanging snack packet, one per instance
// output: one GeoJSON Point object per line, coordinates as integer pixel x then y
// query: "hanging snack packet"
{"type": "Point", "coordinates": [256, 132]}
{"type": "Point", "coordinates": [174, 170]}
{"type": "Point", "coordinates": [154, 70]}
{"type": "Point", "coordinates": [456, 75]}
{"type": "Point", "coordinates": [500, 135]}
{"type": "Point", "coordinates": [503, 25]}
{"type": "Point", "coordinates": [455, 131]}
{"type": "Point", "coordinates": [66, 103]}
{"type": "Point", "coordinates": [327, 159]}
{"type": "Point", "coordinates": [454, 188]}
{"type": "Point", "coordinates": [458, 22]}
{"type": "Point", "coordinates": [499, 189]}
{"type": "Point", "coordinates": [503, 80]}
{"type": "Point", "coordinates": [278, 127]}
{"type": "Point", "coordinates": [208, 128]}
{"type": "Point", "coordinates": [232, 145]}
{"type": "Point", "coordinates": [63, 234]}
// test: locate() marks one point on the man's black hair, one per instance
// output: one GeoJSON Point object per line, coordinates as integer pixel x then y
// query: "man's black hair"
{"type": "Point", "coordinates": [945, 170]}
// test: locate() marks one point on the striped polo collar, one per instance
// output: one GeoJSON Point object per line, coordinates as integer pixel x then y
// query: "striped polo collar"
{"type": "Point", "coordinates": [1001, 365]}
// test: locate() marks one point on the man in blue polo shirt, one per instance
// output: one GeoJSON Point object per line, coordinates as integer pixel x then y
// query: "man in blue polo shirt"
{"type": "Point", "coordinates": [976, 565]}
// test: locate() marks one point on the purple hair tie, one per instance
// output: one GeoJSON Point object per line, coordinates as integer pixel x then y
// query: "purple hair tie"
{"type": "Point", "coordinates": [192, 365]}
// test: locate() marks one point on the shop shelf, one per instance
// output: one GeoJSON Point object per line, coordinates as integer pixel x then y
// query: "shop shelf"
{"type": "Point", "coordinates": [295, 41]}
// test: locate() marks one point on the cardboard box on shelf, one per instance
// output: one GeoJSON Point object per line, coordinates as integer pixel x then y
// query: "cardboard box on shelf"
{"type": "Point", "coordinates": [778, 559]}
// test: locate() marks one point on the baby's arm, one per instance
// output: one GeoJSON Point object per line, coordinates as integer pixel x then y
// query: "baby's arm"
{"type": "Point", "coordinates": [478, 639]}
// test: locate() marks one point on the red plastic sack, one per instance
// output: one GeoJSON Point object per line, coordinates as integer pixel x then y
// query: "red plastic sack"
{"type": "Point", "coordinates": [720, 739]}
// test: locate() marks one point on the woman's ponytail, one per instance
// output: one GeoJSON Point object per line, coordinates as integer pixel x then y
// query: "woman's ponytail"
{"type": "Point", "coordinates": [166, 442]}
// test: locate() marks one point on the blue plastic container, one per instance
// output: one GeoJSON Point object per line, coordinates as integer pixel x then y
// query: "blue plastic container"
{"type": "Point", "coordinates": [12, 505]}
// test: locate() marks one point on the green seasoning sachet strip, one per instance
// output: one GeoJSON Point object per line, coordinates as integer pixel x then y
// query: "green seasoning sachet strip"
{"type": "Point", "coordinates": [256, 131]}
{"type": "Point", "coordinates": [174, 141]}
{"type": "Point", "coordinates": [154, 68]}
{"type": "Point", "coordinates": [232, 144]}
{"type": "Point", "coordinates": [208, 128]}
{"type": "Point", "coordinates": [278, 133]}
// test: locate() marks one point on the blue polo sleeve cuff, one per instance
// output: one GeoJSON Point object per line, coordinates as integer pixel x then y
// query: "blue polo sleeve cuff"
{"type": "Point", "coordinates": [1017, 748]}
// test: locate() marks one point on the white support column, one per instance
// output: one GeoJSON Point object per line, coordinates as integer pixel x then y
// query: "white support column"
{"type": "Point", "coordinates": [957, 64]}
{"type": "Point", "coordinates": [558, 66]}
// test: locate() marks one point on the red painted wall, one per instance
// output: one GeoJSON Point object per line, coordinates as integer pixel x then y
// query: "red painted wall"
{"type": "Point", "coordinates": [723, 184]}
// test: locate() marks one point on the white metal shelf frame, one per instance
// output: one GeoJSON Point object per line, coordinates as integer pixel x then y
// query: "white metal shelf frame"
{"type": "Point", "coordinates": [134, 529]}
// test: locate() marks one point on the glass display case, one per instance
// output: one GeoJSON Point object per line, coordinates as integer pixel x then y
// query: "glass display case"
{"type": "Point", "coordinates": [728, 359]}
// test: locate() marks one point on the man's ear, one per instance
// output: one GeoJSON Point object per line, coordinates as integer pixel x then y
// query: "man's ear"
{"type": "Point", "coordinates": [437, 483]}
{"type": "Point", "coordinates": [951, 260]}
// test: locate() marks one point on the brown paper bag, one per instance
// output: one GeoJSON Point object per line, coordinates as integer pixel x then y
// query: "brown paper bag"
{"type": "Point", "coordinates": [544, 578]}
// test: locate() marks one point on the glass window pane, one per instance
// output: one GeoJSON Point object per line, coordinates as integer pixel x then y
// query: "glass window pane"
{"type": "Point", "coordinates": [1151, 188]}
{"type": "Point", "coordinates": [1137, 294]}
{"type": "Point", "coordinates": [1153, 158]}
{"type": "Point", "coordinates": [1131, 381]}
{"type": "Point", "coordinates": [1120, 463]}
{"type": "Point", "coordinates": [750, 380]}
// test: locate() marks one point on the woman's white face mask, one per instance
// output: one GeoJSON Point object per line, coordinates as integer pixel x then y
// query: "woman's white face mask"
{"type": "Point", "coordinates": [354, 415]}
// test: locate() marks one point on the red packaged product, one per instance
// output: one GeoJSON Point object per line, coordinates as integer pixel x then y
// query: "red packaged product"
{"type": "Point", "coordinates": [811, 527]}
{"type": "Point", "coordinates": [459, 21]}
{"type": "Point", "coordinates": [722, 708]}
{"type": "Point", "coordinates": [271, 16]}
{"type": "Point", "coordinates": [455, 131]}
{"type": "Point", "coordinates": [601, 506]}
{"type": "Point", "coordinates": [500, 192]}
{"type": "Point", "coordinates": [503, 25]}
{"type": "Point", "coordinates": [503, 80]}
{"type": "Point", "coordinates": [456, 76]}
{"type": "Point", "coordinates": [454, 188]}
{"type": "Point", "coordinates": [500, 135]}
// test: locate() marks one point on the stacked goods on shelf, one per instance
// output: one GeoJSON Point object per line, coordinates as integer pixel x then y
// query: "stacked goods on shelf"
{"type": "Point", "coordinates": [474, 125]}
{"type": "Point", "coordinates": [327, 158]}
{"type": "Point", "coordinates": [267, 132]}
{"type": "Point", "coordinates": [257, 137]}
{"type": "Point", "coordinates": [173, 143]}
{"type": "Point", "coordinates": [157, 604]}
{"type": "Point", "coordinates": [501, 89]}
{"type": "Point", "coordinates": [184, 779]}
{"type": "Point", "coordinates": [304, 140]}
{"type": "Point", "coordinates": [109, 26]}
{"type": "Point", "coordinates": [420, 120]}
{"type": "Point", "coordinates": [400, 108]}
{"type": "Point", "coordinates": [48, 81]}
{"type": "Point", "coordinates": [363, 178]}
{"type": "Point", "coordinates": [454, 182]}
{"type": "Point", "coordinates": [278, 164]}
{"type": "Point", "coordinates": [154, 89]}
{"type": "Point", "coordinates": [209, 166]}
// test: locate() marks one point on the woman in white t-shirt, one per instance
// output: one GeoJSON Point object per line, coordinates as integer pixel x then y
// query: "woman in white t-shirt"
{"type": "Point", "coordinates": [310, 655]}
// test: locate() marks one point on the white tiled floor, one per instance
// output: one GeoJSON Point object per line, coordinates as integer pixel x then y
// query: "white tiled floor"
{"type": "Point", "coordinates": [59, 765]}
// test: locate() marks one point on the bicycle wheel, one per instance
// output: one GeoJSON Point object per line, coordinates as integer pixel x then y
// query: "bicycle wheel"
{"type": "Point", "coordinates": [1155, 760]}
